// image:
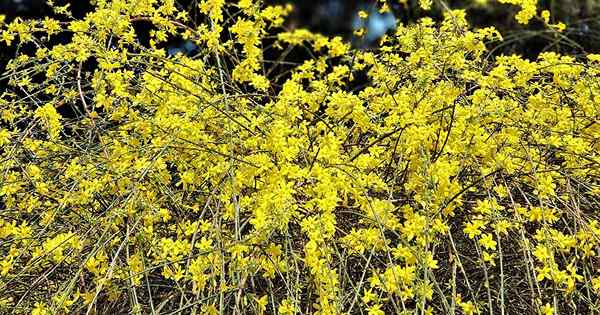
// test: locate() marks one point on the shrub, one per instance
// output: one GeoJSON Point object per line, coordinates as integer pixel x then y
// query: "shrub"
{"type": "Point", "coordinates": [420, 176]}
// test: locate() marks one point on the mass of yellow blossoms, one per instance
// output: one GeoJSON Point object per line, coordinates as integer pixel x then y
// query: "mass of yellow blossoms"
{"type": "Point", "coordinates": [278, 171]}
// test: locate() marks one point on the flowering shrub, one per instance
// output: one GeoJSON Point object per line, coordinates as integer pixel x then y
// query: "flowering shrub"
{"type": "Point", "coordinates": [420, 176]}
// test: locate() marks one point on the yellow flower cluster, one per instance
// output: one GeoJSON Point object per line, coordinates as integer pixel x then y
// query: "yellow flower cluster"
{"type": "Point", "coordinates": [528, 9]}
{"type": "Point", "coordinates": [418, 177]}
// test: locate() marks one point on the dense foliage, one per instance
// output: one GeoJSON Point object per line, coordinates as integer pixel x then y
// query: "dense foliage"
{"type": "Point", "coordinates": [421, 176]}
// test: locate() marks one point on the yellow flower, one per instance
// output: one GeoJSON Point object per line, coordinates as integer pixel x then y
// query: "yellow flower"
{"type": "Point", "coordinates": [4, 137]}
{"type": "Point", "coordinates": [468, 307]}
{"type": "Point", "coordinates": [50, 119]}
{"type": "Point", "coordinates": [375, 310]}
{"type": "Point", "coordinates": [425, 4]}
{"type": "Point", "coordinates": [487, 241]}
{"type": "Point", "coordinates": [262, 303]}
{"type": "Point", "coordinates": [473, 228]}
{"type": "Point", "coordinates": [245, 4]}
{"type": "Point", "coordinates": [596, 284]}
{"type": "Point", "coordinates": [40, 309]}
{"type": "Point", "coordinates": [430, 262]}
{"type": "Point", "coordinates": [359, 32]}
{"type": "Point", "coordinates": [286, 307]}
{"type": "Point", "coordinates": [489, 258]}
{"type": "Point", "coordinates": [547, 309]}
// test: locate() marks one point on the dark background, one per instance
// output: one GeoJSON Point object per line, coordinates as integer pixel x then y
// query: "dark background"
{"type": "Point", "coordinates": [339, 17]}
